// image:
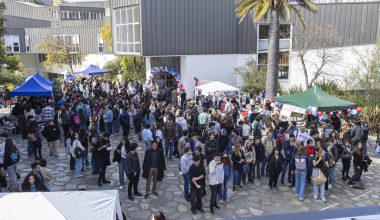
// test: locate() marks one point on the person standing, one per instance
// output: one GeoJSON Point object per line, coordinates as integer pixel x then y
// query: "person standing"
{"type": "Point", "coordinates": [35, 140]}
{"type": "Point", "coordinates": [185, 163]}
{"type": "Point", "coordinates": [52, 134]}
{"type": "Point", "coordinates": [215, 179]}
{"type": "Point", "coordinates": [133, 171]}
{"type": "Point", "coordinates": [300, 161]}
{"type": "Point", "coordinates": [169, 135]}
{"type": "Point", "coordinates": [288, 150]}
{"type": "Point", "coordinates": [108, 119]}
{"type": "Point", "coordinates": [358, 162]}
{"type": "Point", "coordinates": [275, 161]}
{"type": "Point", "coordinates": [346, 159]}
{"type": "Point", "coordinates": [101, 156]}
{"type": "Point", "coordinates": [125, 121]}
{"type": "Point", "coordinates": [153, 168]}
{"type": "Point", "coordinates": [48, 113]}
{"type": "Point", "coordinates": [197, 173]}
{"type": "Point", "coordinates": [77, 151]}
{"type": "Point", "coordinates": [147, 136]}
{"type": "Point", "coordinates": [238, 159]}
{"type": "Point", "coordinates": [120, 156]}
{"type": "Point", "coordinates": [47, 174]}
{"type": "Point", "coordinates": [11, 158]}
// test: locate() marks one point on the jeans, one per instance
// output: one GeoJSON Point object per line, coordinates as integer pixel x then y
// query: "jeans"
{"type": "Point", "coordinates": [116, 126]}
{"type": "Point", "coordinates": [250, 176]}
{"type": "Point", "coordinates": [11, 170]}
{"type": "Point", "coordinates": [285, 166]}
{"type": "Point", "coordinates": [122, 169]}
{"type": "Point", "coordinates": [229, 145]}
{"type": "Point", "coordinates": [214, 194]}
{"type": "Point", "coordinates": [72, 162]}
{"type": "Point", "coordinates": [332, 176]}
{"type": "Point", "coordinates": [309, 169]}
{"type": "Point", "coordinates": [237, 177]}
{"type": "Point", "coordinates": [300, 183]}
{"type": "Point", "coordinates": [223, 190]}
{"type": "Point", "coordinates": [78, 166]}
{"type": "Point", "coordinates": [169, 144]}
{"type": "Point", "coordinates": [321, 191]}
{"type": "Point", "coordinates": [86, 162]}
{"type": "Point", "coordinates": [30, 149]}
{"type": "Point", "coordinates": [94, 165]}
{"type": "Point", "coordinates": [108, 126]}
{"type": "Point", "coordinates": [186, 184]}
{"type": "Point", "coordinates": [262, 166]}
{"type": "Point", "coordinates": [102, 169]}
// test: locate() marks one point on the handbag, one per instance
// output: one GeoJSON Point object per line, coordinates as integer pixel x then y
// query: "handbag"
{"type": "Point", "coordinates": [318, 177]}
{"type": "Point", "coordinates": [246, 168]}
{"type": "Point", "coordinates": [78, 152]}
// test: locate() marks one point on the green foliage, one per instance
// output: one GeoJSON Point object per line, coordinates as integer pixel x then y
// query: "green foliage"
{"type": "Point", "coordinates": [253, 77]}
{"type": "Point", "coordinates": [106, 33]}
{"type": "Point", "coordinates": [9, 77]}
{"type": "Point", "coordinates": [13, 63]}
{"type": "Point", "coordinates": [2, 32]}
{"type": "Point", "coordinates": [330, 87]}
{"type": "Point", "coordinates": [131, 68]}
{"type": "Point", "coordinates": [371, 114]}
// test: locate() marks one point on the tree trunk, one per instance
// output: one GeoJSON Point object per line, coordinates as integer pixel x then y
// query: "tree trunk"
{"type": "Point", "coordinates": [302, 58]}
{"type": "Point", "coordinates": [273, 55]}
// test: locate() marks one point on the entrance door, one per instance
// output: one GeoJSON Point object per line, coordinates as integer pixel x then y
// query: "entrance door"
{"type": "Point", "coordinates": [165, 80]}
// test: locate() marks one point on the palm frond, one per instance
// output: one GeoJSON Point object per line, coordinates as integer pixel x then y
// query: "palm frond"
{"type": "Point", "coordinates": [309, 5]}
{"type": "Point", "coordinates": [284, 9]}
{"type": "Point", "coordinates": [299, 14]}
{"type": "Point", "coordinates": [263, 9]}
{"type": "Point", "coordinates": [244, 7]}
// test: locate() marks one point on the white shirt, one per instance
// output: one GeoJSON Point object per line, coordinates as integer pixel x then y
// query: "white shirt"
{"type": "Point", "coordinates": [216, 173]}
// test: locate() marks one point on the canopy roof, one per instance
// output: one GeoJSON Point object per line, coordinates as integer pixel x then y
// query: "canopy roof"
{"type": "Point", "coordinates": [91, 71]}
{"type": "Point", "coordinates": [41, 79]}
{"type": "Point", "coordinates": [215, 86]}
{"type": "Point", "coordinates": [317, 98]}
{"type": "Point", "coordinates": [83, 205]}
{"type": "Point", "coordinates": [32, 87]}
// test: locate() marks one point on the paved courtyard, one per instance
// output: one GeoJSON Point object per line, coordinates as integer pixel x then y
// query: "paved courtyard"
{"type": "Point", "coordinates": [252, 199]}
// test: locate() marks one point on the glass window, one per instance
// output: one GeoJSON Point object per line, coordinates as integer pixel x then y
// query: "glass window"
{"type": "Point", "coordinates": [263, 31]}
{"type": "Point", "coordinates": [27, 43]}
{"type": "Point", "coordinates": [42, 57]}
{"type": "Point", "coordinates": [12, 43]}
{"type": "Point", "coordinates": [127, 29]}
{"type": "Point", "coordinates": [283, 65]}
{"type": "Point", "coordinates": [284, 31]}
{"type": "Point", "coordinates": [100, 44]}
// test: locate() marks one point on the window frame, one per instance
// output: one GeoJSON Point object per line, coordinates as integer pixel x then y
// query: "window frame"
{"type": "Point", "coordinates": [11, 39]}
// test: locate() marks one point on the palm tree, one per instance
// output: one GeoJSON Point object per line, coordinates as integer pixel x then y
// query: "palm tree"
{"type": "Point", "coordinates": [274, 9]}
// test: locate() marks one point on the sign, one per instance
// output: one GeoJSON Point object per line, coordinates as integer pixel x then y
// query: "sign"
{"type": "Point", "coordinates": [293, 108]}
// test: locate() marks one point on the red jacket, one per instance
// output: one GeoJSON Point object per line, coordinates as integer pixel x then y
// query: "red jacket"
{"type": "Point", "coordinates": [310, 151]}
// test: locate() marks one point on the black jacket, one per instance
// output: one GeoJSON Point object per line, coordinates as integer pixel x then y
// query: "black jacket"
{"type": "Point", "coordinates": [275, 164]}
{"type": "Point", "coordinates": [235, 160]}
{"type": "Point", "coordinates": [133, 163]}
{"type": "Point", "coordinates": [148, 163]}
{"type": "Point", "coordinates": [51, 133]}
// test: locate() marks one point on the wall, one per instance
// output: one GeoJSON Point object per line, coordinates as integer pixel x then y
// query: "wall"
{"type": "Point", "coordinates": [210, 67]}
{"type": "Point", "coordinates": [337, 70]}
{"type": "Point", "coordinates": [31, 63]}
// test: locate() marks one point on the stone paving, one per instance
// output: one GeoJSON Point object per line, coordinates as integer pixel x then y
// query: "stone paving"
{"type": "Point", "coordinates": [252, 199]}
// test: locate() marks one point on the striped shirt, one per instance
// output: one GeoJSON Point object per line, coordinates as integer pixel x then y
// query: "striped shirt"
{"type": "Point", "coordinates": [48, 113]}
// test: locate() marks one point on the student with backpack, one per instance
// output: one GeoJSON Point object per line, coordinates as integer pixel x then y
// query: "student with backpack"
{"type": "Point", "coordinates": [300, 161]}
{"type": "Point", "coordinates": [11, 158]}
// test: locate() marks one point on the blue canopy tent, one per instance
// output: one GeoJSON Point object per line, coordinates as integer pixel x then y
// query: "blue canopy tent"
{"type": "Point", "coordinates": [41, 79]}
{"type": "Point", "coordinates": [32, 87]}
{"type": "Point", "coordinates": [92, 71]}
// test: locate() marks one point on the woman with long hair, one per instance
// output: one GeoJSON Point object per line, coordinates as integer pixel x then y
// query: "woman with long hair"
{"type": "Point", "coordinates": [346, 156]}
{"type": "Point", "coordinates": [33, 184]}
{"type": "Point", "coordinates": [76, 146]}
{"type": "Point", "coordinates": [275, 161]}
{"type": "Point", "coordinates": [320, 163]}
{"type": "Point", "coordinates": [227, 174]}
{"type": "Point", "coordinates": [250, 159]}
{"type": "Point", "coordinates": [300, 161]}
{"type": "Point", "coordinates": [359, 163]}
{"type": "Point", "coordinates": [120, 156]}
{"type": "Point", "coordinates": [237, 158]}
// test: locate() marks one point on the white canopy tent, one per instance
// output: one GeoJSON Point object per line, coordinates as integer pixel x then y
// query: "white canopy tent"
{"type": "Point", "coordinates": [72, 205]}
{"type": "Point", "coordinates": [215, 86]}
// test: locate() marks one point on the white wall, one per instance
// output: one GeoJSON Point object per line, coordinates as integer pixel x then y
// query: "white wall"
{"type": "Point", "coordinates": [337, 71]}
{"type": "Point", "coordinates": [210, 67]}
{"type": "Point", "coordinates": [31, 63]}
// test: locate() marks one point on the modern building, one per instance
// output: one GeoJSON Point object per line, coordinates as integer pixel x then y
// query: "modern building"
{"type": "Point", "coordinates": [78, 24]}
{"type": "Point", "coordinates": [203, 38]}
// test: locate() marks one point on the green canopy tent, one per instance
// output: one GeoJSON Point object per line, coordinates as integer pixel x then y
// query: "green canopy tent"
{"type": "Point", "coordinates": [315, 97]}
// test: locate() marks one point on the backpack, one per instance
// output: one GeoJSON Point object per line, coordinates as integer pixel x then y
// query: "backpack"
{"type": "Point", "coordinates": [300, 163]}
{"type": "Point", "coordinates": [14, 157]}
{"type": "Point", "coordinates": [77, 120]}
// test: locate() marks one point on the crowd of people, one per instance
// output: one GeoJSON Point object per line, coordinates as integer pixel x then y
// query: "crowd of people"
{"type": "Point", "coordinates": [215, 139]}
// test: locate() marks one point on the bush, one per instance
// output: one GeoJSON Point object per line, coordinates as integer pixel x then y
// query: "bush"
{"type": "Point", "coordinates": [8, 77]}
{"type": "Point", "coordinates": [252, 76]}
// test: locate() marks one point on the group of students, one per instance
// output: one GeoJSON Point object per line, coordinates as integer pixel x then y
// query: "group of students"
{"type": "Point", "coordinates": [213, 141]}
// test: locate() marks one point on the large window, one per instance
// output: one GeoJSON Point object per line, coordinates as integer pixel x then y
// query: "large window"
{"type": "Point", "coordinates": [12, 43]}
{"type": "Point", "coordinates": [79, 15]}
{"type": "Point", "coordinates": [27, 43]}
{"type": "Point", "coordinates": [285, 44]}
{"type": "Point", "coordinates": [100, 44]}
{"type": "Point", "coordinates": [127, 30]}
{"type": "Point", "coordinates": [71, 41]}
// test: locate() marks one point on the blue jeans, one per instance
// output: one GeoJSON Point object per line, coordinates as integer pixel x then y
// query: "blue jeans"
{"type": "Point", "coordinates": [285, 166]}
{"type": "Point", "coordinates": [321, 190]}
{"type": "Point", "coordinates": [30, 149]}
{"type": "Point", "coordinates": [85, 158]}
{"type": "Point", "coordinates": [186, 184]}
{"type": "Point", "coordinates": [332, 176]}
{"type": "Point", "coordinates": [261, 166]}
{"type": "Point", "coordinates": [237, 176]}
{"type": "Point", "coordinates": [122, 169]}
{"type": "Point", "coordinates": [222, 195]}
{"type": "Point", "coordinates": [300, 183]}
{"type": "Point", "coordinates": [169, 145]}
{"type": "Point", "coordinates": [116, 126]}
{"type": "Point", "coordinates": [108, 126]}
{"type": "Point", "coordinates": [78, 166]}
{"type": "Point", "coordinates": [229, 145]}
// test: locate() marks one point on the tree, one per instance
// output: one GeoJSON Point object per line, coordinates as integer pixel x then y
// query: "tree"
{"type": "Point", "coordinates": [3, 52]}
{"type": "Point", "coordinates": [274, 9]}
{"type": "Point", "coordinates": [59, 53]}
{"type": "Point", "coordinates": [253, 77]}
{"type": "Point", "coordinates": [131, 68]}
{"type": "Point", "coordinates": [316, 49]}
{"type": "Point", "coordinates": [106, 34]}
{"type": "Point", "coordinates": [367, 73]}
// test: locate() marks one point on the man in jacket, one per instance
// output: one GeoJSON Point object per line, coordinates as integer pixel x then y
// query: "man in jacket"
{"type": "Point", "coordinates": [216, 178]}
{"type": "Point", "coordinates": [169, 135]}
{"type": "Point", "coordinates": [185, 163]}
{"type": "Point", "coordinates": [153, 168]}
{"type": "Point", "coordinates": [197, 174]}
{"type": "Point", "coordinates": [108, 119]}
{"type": "Point", "coordinates": [125, 121]}
{"type": "Point", "coordinates": [261, 159]}
{"type": "Point", "coordinates": [288, 150]}
{"type": "Point", "coordinates": [52, 134]}
{"type": "Point", "coordinates": [101, 156]}
{"type": "Point", "coordinates": [133, 171]}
